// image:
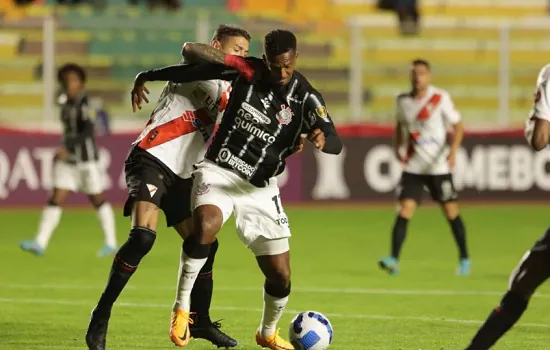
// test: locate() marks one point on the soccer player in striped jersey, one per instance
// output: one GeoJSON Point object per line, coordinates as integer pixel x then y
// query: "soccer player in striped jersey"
{"type": "Point", "coordinates": [423, 115]}
{"type": "Point", "coordinates": [76, 167]}
{"type": "Point", "coordinates": [268, 111]}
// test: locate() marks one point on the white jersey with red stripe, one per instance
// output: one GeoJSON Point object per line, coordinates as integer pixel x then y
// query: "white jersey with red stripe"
{"type": "Point", "coordinates": [182, 122]}
{"type": "Point", "coordinates": [541, 105]}
{"type": "Point", "coordinates": [426, 121]}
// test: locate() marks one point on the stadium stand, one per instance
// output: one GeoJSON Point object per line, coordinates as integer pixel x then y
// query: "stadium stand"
{"type": "Point", "coordinates": [109, 45]}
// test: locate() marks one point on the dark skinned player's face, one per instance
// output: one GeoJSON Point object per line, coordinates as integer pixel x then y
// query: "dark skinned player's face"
{"type": "Point", "coordinates": [282, 66]}
{"type": "Point", "coordinates": [73, 84]}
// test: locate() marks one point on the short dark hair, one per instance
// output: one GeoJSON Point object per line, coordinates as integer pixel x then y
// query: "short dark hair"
{"type": "Point", "coordinates": [70, 67]}
{"type": "Point", "coordinates": [225, 31]}
{"type": "Point", "coordinates": [421, 62]}
{"type": "Point", "coordinates": [279, 41]}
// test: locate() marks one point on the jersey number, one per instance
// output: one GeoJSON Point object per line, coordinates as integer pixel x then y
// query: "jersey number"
{"type": "Point", "coordinates": [277, 201]}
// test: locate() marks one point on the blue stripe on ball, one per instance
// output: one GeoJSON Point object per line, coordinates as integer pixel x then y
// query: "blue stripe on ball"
{"type": "Point", "coordinates": [323, 321]}
{"type": "Point", "coordinates": [309, 340]}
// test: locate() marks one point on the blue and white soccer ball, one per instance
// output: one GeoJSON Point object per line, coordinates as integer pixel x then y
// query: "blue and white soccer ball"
{"type": "Point", "coordinates": [310, 330]}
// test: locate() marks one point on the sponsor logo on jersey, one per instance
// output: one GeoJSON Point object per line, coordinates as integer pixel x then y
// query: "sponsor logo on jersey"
{"type": "Point", "coordinates": [202, 96]}
{"type": "Point", "coordinates": [194, 119]}
{"type": "Point", "coordinates": [225, 156]}
{"type": "Point", "coordinates": [265, 101]}
{"type": "Point", "coordinates": [257, 116]}
{"type": "Point", "coordinates": [246, 121]}
{"type": "Point", "coordinates": [284, 116]}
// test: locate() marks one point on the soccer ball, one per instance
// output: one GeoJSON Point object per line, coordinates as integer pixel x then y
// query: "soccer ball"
{"type": "Point", "coordinates": [310, 330]}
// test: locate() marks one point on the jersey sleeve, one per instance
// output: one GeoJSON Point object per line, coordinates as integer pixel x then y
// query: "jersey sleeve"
{"type": "Point", "coordinates": [541, 107]}
{"type": "Point", "coordinates": [450, 113]}
{"type": "Point", "coordinates": [185, 73]}
{"type": "Point", "coordinates": [398, 110]}
{"type": "Point", "coordinates": [317, 117]}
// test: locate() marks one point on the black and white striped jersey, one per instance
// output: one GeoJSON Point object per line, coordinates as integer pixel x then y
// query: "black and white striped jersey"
{"type": "Point", "coordinates": [262, 122]}
{"type": "Point", "coordinates": [78, 130]}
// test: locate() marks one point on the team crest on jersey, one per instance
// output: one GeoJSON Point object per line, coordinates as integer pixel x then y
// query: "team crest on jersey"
{"type": "Point", "coordinates": [203, 188]}
{"type": "Point", "coordinates": [152, 189]}
{"type": "Point", "coordinates": [284, 116]}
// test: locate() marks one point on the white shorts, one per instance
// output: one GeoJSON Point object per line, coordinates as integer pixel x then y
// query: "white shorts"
{"type": "Point", "coordinates": [260, 218]}
{"type": "Point", "coordinates": [82, 177]}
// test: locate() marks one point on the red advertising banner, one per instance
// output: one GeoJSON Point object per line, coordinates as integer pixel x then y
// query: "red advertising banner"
{"type": "Point", "coordinates": [490, 166]}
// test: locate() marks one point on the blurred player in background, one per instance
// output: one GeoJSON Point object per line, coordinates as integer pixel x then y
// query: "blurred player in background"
{"type": "Point", "coordinates": [260, 128]}
{"type": "Point", "coordinates": [534, 266]}
{"type": "Point", "coordinates": [158, 175]}
{"type": "Point", "coordinates": [76, 166]}
{"type": "Point", "coordinates": [423, 115]}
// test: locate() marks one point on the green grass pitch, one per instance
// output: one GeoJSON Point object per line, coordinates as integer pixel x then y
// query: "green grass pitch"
{"type": "Point", "coordinates": [45, 301]}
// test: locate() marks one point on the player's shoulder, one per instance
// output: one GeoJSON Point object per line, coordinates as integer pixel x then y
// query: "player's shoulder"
{"type": "Point", "coordinates": [304, 86]}
{"type": "Point", "coordinates": [402, 97]}
{"type": "Point", "coordinates": [435, 90]}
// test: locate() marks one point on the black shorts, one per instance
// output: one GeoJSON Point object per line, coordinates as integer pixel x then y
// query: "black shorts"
{"type": "Point", "coordinates": [441, 187]}
{"type": "Point", "coordinates": [149, 180]}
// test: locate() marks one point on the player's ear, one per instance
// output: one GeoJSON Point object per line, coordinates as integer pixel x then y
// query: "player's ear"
{"type": "Point", "coordinates": [216, 44]}
{"type": "Point", "coordinates": [296, 55]}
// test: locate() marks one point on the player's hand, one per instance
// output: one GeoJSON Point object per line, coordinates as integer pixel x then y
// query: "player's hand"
{"type": "Point", "coordinates": [61, 154]}
{"type": "Point", "coordinates": [452, 159]}
{"type": "Point", "coordinates": [402, 160]}
{"type": "Point", "coordinates": [317, 137]}
{"type": "Point", "coordinates": [300, 146]}
{"type": "Point", "coordinates": [139, 92]}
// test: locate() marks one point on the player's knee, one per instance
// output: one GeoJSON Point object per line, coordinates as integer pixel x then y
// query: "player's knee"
{"type": "Point", "coordinates": [407, 208]}
{"type": "Point", "coordinates": [280, 277]}
{"type": "Point", "coordinates": [52, 202]}
{"type": "Point", "coordinates": [142, 239]}
{"type": "Point", "coordinates": [278, 289]}
{"type": "Point", "coordinates": [96, 200]}
{"type": "Point", "coordinates": [451, 210]}
{"type": "Point", "coordinates": [208, 221]}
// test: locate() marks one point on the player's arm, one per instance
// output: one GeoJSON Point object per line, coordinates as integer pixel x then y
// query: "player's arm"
{"type": "Point", "coordinates": [319, 122]}
{"type": "Point", "coordinates": [87, 131]}
{"type": "Point", "coordinates": [452, 117]}
{"type": "Point", "coordinates": [198, 52]}
{"type": "Point", "coordinates": [180, 73]}
{"type": "Point", "coordinates": [185, 73]}
{"type": "Point", "coordinates": [537, 129]}
{"type": "Point", "coordinates": [399, 132]}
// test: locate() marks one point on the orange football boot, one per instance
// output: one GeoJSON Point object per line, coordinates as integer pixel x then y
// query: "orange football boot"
{"type": "Point", "coordinates": [179, 328]}
{"type": "Point", "coordinates": [273, 342]}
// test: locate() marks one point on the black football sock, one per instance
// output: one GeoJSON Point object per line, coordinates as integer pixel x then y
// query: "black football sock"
{"type": "Point", "coordinates": [139, 243]}
{"type": "Point", "coordinates": [459, 233]}
{"type": "Point", "coordinates": [398, 235]}
{"type": "Point", "coordinates": [201, 294]}
{"type": "Point", "coordinates": [500, 321]}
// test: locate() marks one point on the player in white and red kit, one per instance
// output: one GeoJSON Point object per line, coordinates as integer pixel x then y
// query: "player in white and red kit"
{"type": "Point", "coordinates": [423, 116]}
{"type": "Point", "coordinates": [534, 267]}
{"type": "Point", "coordinates": [158, 175]}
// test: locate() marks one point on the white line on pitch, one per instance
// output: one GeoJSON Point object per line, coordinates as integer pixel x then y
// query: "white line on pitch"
{"type": "Point", "coordinates": [359, 291]}
{"type": "Point", "coordinates": [258, 310]}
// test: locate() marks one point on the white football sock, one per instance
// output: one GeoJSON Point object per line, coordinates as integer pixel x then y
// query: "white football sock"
{"type": "Point", "coordinates": [107, 222]}
{"type": "Point", "coordinates": [48, 222]}
{"type": "Point", "coordinates": [188, 272]}
{"type": "Point", "coordinates": [273, 310]}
